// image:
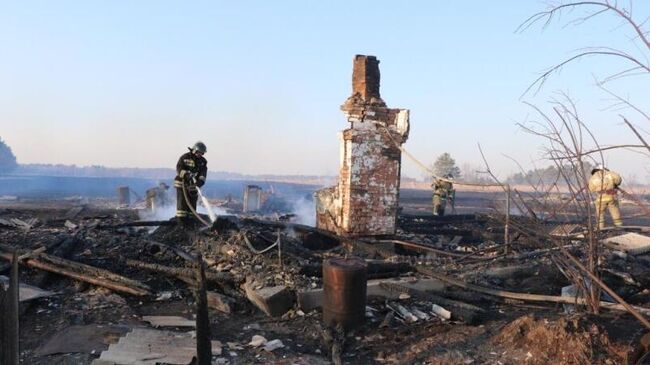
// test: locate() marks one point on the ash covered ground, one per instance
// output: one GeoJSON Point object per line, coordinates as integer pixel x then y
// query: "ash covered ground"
{"type": "Point", "coordinates": [82, 319]}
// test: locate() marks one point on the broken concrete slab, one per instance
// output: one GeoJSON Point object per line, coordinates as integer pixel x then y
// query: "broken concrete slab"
{"type": "Point", "coordinates": [169, 321]}
{"type": "Point", "coordinates": [632, 243]}
{"type": "Point", "coordinates": [88, 339]}
{"type": "Point", "coordinates": [312, 299]}
{"type": "Point", "coordinates": [274, 301]}
{"type": "Point", "coordinates": [27, 292]}
{"type": "Point", "coordinates": [150, 347]}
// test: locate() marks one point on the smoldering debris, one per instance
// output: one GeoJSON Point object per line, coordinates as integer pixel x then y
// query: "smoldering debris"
{"type": "Point", "coordinates": [106, 276]}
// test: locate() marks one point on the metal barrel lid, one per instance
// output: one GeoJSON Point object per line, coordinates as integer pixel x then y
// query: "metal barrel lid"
{"type": "Point", "coordinates": [348, 264]}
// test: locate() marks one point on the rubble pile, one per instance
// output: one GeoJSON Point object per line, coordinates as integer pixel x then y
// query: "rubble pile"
{"type": "Point", "coordinates": [562, 341]}
{"type": "Point", "coordinates": [440, 290]}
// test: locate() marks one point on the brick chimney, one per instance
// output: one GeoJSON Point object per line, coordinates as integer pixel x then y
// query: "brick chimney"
{"type": "Point", "coordinates": [365, 77]}
{"type": "Point", "coordinates": [365, 201]}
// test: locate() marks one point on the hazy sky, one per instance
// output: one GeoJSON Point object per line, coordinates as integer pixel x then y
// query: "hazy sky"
{"type": "Point", "coordinates": [132, 83]}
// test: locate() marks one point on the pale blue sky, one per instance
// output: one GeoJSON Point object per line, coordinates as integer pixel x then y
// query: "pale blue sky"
{"type": "Point", "coordinates": [132, 83]}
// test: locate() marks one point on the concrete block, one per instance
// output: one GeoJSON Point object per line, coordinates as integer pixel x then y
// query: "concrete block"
{"type": "Point", "coordinates": [632, 243]}
{"type": "Point", "coordinates": [274, 301]}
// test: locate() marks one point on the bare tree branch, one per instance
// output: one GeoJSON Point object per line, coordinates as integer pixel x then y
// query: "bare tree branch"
{"type": "Point", "coordinates": [636, 132]}
{"type": "Point", "coordinates": [620, 12]}
{"type": "Point", "coordinates": [541, 79]}
{"type": "Point", "coordinates": [595, 8]}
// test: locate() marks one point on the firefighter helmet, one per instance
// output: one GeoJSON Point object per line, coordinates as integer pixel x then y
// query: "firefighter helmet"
{"type": "Point", "coordinates": [200, 147]}
{"type": "Point", "coordinates": [598, 167]}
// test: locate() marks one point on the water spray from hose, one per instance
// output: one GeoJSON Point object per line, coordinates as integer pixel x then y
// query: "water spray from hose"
{"type": "Point", "coordinates": [206, 204]}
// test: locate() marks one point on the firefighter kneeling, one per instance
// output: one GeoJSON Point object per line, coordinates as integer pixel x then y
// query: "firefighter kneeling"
{"type": "Point", "coordinates": [191, 171]}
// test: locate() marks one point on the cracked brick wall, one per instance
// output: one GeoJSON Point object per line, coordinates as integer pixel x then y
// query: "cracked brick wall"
{"type": "Point", "coordinates": [365, 201]}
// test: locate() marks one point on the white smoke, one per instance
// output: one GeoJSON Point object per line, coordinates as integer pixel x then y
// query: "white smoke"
{"type": "Point", "coordinates": [162, 213]}
{"type": "Point", "coordinates": [305, 211]}
{"type": "Point", "coordinates": [168, 211]}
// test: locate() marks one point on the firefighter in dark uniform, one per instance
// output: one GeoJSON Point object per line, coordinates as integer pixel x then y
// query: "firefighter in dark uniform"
{"type": "Point", "coordinates": [191, 171]}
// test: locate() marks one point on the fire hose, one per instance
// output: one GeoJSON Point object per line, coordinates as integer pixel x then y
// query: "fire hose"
{"type": "Point", "coordinates": [636, 201]}
{"type": "Point", "coordinates": [256, 251]}
{"type": "Point", "coordinates": [187, 202]}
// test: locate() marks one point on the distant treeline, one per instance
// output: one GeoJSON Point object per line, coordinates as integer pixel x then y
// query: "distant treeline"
{"type": "Point", "coordinates": [548, 175]}
{"type": "Point", "coordinates": [155, 173]}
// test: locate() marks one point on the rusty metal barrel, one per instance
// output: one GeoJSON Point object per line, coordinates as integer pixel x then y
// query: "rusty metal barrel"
{"type": "Point", "coordinates": [123, 195]}
{"type": "Point", "coordinates": [344, 292]}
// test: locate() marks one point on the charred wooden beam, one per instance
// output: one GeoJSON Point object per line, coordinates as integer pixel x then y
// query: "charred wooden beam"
{"type": "Point", "coordinates": [91, 271]}
{"type": "Point", "coordinates": [181, 273]}
{"type": "Point", "coordinates": [82, 272]}
{"type": "Point", "coordinates": [63, 248]}
{"type": "Point", "coordinates": [10, 330]}
{"type": "Point", "coordinates": [426, 248]}
{"type": "Point", "coordinates": [181, 253]}
{"type": "Point", "coordinates": [203, 343]}
{"type": "Point", "coordinates": [524, 296]}
{"type": "Point", "coordinates": [366, 248]}
{"type": "Point", "coordinates": [138, 224]}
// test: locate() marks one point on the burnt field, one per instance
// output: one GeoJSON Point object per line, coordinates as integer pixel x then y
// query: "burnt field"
{"type": "Point", "coordinates": [106, 273]}
{"type": "Point", "coordinates": [61, 187]}
{"type": "Point", "coordinates": [418, 202]}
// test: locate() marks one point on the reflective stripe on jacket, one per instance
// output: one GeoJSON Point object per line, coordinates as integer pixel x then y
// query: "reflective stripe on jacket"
{"type": "Point", "coordinates": [190, 163]}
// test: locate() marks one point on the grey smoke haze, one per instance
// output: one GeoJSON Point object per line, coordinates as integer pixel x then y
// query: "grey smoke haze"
{"type": "Point", "coordinates": [169, 211]}
{"type": "Point", "coordinates": [305, 211]}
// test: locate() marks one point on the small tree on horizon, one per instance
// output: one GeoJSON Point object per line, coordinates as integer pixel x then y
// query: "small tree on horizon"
{"type": "Point", "coordinates": [7, 158]}
{"type": "Point", "coordinates": [444, 165]}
